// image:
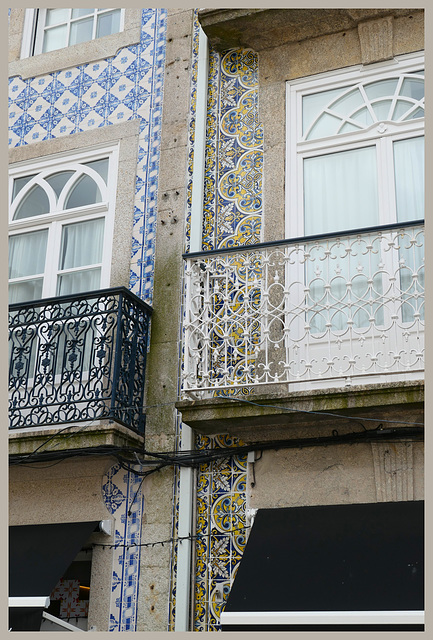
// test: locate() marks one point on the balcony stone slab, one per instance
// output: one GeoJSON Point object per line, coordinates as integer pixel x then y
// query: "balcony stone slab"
{"type": "Point", "coordinates": [261, 29]}
{"type": "Point", "coordinates": [286, 414]}
{"type": "Point", "coordinates": [78, 436]}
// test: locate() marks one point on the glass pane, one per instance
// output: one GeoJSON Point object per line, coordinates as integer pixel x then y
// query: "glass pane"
{"type": "Point", "coordinates": [409, 179]}
{"type": "Point", "coordinates": [19, 183]}
{"type": "Point", "coordinates": [381, 109]}
{"type": "Point", "coordinates": [363, 117]}
{"type": "Point", "coordinates": [312, 106]}
{"type": "Point", "coordinates": [78, 13]}
{"type": "Point", "coordinates": [101, 167]}
{"type": "Point", "coordinates": [381, 88]}
{"type": "Point", "coordinates": [412, 88]}
{"type": "Point", "coordinates": [56, 16]}
{"type": "Point", "coordinates": [108, 23]}
{"type": "Point", "coordinates": [401, 107]}
{"type": "Point", "coordinates": [81, 244]}
{"type": "Point", "coordinates": [340, 191]}
{"type": "Point", "coordinates": [81, 31]}
{"type": "Point", "coordinates": [58, 180]}
{"type": "Point", "coordinates": [24, 291]}
{"type": "Point", "coordinates": [35, 203]}
{"type": "Point", "coordinates": [85, 191]}
{"type": "Point", "coordinates": [55, 39]}
{"type": "Point", "coordinates": [344, 106]}
{"type": "Point", "coordinates": [418, 113]}
{"type": "Point", "coordinates": [412, 280]}
{"type": "Point", "coordinates": [27, 253]}
{"type": "Point", "coordinates": [79, 281]}
{"type": "Point", "coordinates": [348, 127]}
{"type": "Point", "coordinates": [326, 125]}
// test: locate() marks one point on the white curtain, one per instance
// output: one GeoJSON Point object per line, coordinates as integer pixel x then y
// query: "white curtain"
{"type": "Point", "coordinates": [409, 178]}
{"type": "Point", "coordinates": [81, 246]}
{"type": "Point", "coordinates": [27, 252]}
{"type": "Point", "coordinates": [340, 191]}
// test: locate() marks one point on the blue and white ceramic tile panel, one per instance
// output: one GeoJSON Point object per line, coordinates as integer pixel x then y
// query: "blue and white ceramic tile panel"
{"type": "Point", "coordinates": [232, 217]}
{"type": "Point", "coordinates": [122, 494]}
{"type": "Point", "coordinates": [124, 87]}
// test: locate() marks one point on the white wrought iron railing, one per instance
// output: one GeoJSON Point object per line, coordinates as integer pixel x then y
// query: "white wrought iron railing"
{"type": "Point", "coordinates": [331, 309]}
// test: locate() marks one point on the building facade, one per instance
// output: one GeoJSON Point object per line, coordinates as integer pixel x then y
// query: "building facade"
{"type": "Point", "coordinates": [216, 290]}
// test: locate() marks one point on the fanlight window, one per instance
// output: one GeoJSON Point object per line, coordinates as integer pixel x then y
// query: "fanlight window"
{"type": "Point", "coordinates": [359, 106]}
{"type": "Point", "coordinates": [49, 192]}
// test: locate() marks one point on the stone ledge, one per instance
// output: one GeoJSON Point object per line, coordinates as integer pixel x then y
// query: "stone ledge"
{"type": "Point", "coordinates": [219, 415]}
{"type": "Point", "coordinates": [260, 29]}
{"type": "Point", "coordinates": [78, 436]}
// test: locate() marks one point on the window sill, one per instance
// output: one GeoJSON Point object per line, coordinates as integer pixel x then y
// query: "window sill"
{"type": "Point", "coordinates": [82, 53]}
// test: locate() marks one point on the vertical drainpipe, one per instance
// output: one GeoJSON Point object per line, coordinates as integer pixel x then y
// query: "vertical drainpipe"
{"type": "Point", "coordinates": [186, 481]}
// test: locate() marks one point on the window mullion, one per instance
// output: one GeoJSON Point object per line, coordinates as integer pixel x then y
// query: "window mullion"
{"type": "Point", "coordinates": [95, 22]}
{"type": "Point", "coordinates": [386, 181]}
{"type": "Point", "coordinates": [52, 259]}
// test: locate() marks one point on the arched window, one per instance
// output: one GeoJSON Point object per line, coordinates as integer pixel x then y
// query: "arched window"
{"type": "Point", "coordinates": [61, 219]}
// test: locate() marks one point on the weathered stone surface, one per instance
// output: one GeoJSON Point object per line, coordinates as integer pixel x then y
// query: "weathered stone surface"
{"type": "Point", "coordinates": [266, 28]}
{"type": "Point", "coordinates": [220, 415]}
{"type": "Point", "coordinates": [376, 39]}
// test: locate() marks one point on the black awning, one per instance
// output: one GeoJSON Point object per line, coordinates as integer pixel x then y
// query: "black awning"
{"type": "Point", "coordinates": [38, 557]}
{"type": "Point", "coordinates": [338, 558]}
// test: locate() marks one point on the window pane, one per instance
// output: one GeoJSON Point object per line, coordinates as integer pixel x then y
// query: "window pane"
{"type": "Point", "coordinates": [58, 180]}
{"type": "Point", "coordinates": [81, 244]}
{"type": "Point", "coordinates": [27, 253]}
{"type": "Point", "coordinates": [409, 178]}
{"type": "Point", "coordinates": [348, 127]}
{"type": "Point", "coordinates": [412, 279]}
{"type": "Point", "coordinates": [78, 281]}
{"type": "Point", "coordinates": [35, 203]}
{"type": "Point", "coordinates": [81, 31]}
{"type": "Point", "coordinates": [340, 191]}
{"type": "Point", "coordinates": [24, 291]}
{"type": "Point", "coordinates": [418, 113]}
{"type": "Point", "coordinates": [85, 192]}
{"type": "Point", "coordinates": [55, 39]}
{"type": "Point", "coordinates": [326, 125]}
{"type": "Point", "coordinates": [381, 88]}
{"type": "Point", "coordinates": [78, 13]}
{"type": "Point", "coordinates": [344, 106]}
{"type": "Point", "coordinates": [401, 107]}
{"type": "Point", "coordinates": [312, 106]}
{"type": "Point", "coordinates": [101, 167]}
{"type": "Point", "coordinates": [56, 16]}
{"type": "Point", "coordinates": [19, 183]}
{"type": "Point", "coordinates": [412, 88]}
{"type": "Point", "coordinates": [363, 117]}
{"type": "Point", "coordinates": [381, 109]}
{"type": "Point", "coordinates": [108, 23]}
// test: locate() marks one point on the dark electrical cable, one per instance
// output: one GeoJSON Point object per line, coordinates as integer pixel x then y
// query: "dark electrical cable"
{"type": "Point", "coordinates": [169, 540]}
{"type": "Point", "coordinates": [136, 460]}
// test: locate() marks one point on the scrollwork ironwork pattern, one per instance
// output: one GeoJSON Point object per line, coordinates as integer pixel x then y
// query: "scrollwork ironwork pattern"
{"type": "Point", "coordinates": [322, 309]}
{"type": "Point", "coordinates": [77, 358]}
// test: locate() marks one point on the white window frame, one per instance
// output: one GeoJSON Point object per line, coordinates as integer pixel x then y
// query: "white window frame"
{"type": "Point", "coordinates": [55, 221]}
{"type": "Point", "coordinates": [34, 27]}
{"type": "Point", "coordinates": [297, 150]}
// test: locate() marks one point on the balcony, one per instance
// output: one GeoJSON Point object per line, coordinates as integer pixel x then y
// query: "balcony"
{"type": "Point", "coordinates": [78, 358]}
{"type": "Point", "coordinates": [310, 313]}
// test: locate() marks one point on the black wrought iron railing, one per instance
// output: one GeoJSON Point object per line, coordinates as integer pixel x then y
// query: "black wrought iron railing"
{"type": "Point", "coordinates": [78, 358]}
